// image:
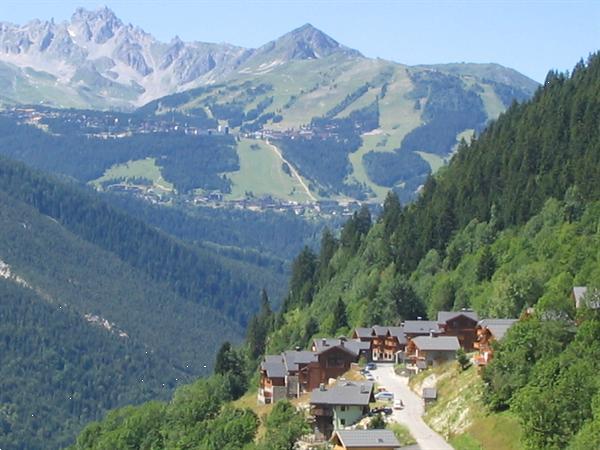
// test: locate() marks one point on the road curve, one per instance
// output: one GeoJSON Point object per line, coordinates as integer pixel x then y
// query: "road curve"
{"type": "Point", "coordinates": [411, 415]}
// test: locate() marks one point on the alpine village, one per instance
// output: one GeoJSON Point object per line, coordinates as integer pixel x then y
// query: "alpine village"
{"type": "Point", "coordinates": [292, 247]}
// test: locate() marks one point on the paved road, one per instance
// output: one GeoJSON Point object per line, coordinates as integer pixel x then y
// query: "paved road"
{"type": "Point", "coordinates": [411, 415]}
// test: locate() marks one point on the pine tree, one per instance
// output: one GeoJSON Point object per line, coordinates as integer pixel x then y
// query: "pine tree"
{"type": "Point", "coordinates": [340, 318]}
{"type": "Point", "coordinates": [486, 265]}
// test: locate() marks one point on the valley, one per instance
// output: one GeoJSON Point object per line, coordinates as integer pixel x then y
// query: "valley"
{"type": "Point", "coordinates": [188, 227]}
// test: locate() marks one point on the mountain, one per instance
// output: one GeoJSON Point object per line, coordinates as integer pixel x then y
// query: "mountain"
{"type": "Point", "coordinates": [101, 309]}
{"type": "Point", "coordinates": [379, 125]}
{"type": "Point", "coordinates": [96, 60]}
{"type": "Point", "coordinates": [510, 225]}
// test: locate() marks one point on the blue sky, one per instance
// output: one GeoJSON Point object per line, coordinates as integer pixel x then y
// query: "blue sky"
{"type": "Point", "coordinates": [530, 36]}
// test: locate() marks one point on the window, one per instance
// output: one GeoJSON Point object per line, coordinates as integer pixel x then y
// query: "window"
{"type": "Point", "coordinates": [343, 408]}
{"type": "Point", "coordinates": [343, 422]}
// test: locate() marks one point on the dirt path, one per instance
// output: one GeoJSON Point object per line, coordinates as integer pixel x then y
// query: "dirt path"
{"type": "Point", "coordinates": [411, 415]}
{"type": "Point", "coordinates": [293, 170]}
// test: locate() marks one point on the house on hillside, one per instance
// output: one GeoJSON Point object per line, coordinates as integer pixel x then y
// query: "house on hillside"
{"type": "Point", "coordinates": [461, 324]}
{"type": "Point", "coordinates": [432, 350]}
{"type": "Point", "coordinates": [298, 365]}
{"type": "Point", "coordinates": [489, 331]}
{"type": "Point", "coordinates": [334, 358]}
{"type": "Point", "coordinates": [300, 371]}
{"type": "Point", "coordinates": [387, 342]}
{"type": "Point", "coordinates": [364, 440]}
{"type": "Point", "coordinates": [272, 384]}
{"type": "Point", "coordinates": [339, 406]}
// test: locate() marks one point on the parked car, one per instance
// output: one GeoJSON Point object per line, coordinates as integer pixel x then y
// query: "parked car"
{"type": "Point", "coordinates": [382, 410]}
{"type": "Point", "coordinates": [369, 376]}
{"type": "Point", "coordinates": [398, 404]}
{"type": "Point", "coordinates": [371, 366]}
{"type": "Point", "coordinates": [386, 396]}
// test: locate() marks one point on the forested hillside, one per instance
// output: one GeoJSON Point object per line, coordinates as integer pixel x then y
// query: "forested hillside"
{"type": "Point", "coordinates": [512, 223]}
{"type": "Point", "coordinates": [58, 371]}
{"type": "Point", "coordinates": [150, 309]}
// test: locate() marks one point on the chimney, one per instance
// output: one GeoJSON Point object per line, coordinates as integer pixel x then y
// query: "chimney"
{"type": "Point", "coordinates": [419, 318]}
{"type": "Point", "coordinates": [322, 386]}
{"type": "Point", "coordinates": [431, 333]}
{"type": "Point", "coordinates": [363, 389]}
{"type": "Point", "coordinates": [324, 342]}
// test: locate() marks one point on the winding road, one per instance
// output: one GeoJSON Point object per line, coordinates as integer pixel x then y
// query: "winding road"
{"type": "Point", "coordinates": [411, 415]}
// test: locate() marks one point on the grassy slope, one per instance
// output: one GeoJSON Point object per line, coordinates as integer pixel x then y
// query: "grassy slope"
{"type": "Point", "coordinates": [305, 89]}
{"type": "Point", "coordinates": [459, 414]}
{"type": "Point", "coordinates": [143, 168]}
{"type": "Point", "coordinates": [261, 173]}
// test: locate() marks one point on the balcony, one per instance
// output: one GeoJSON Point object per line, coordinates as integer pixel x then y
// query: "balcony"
{"type": "Point", "coordinates": [319, 411]}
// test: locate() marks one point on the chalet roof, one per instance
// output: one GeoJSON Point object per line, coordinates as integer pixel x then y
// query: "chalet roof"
{"type": "Point", "coordinates": [398, 333]}
{"type": "Point", "coordinates": [344, 393]}
{"type": "Point", "coordinates": [429, 393]}
{"type": "Point", "coordinates": [292, 358]}
{"type": "Point", "coordinates": [420, 326]}
{"type": "Point", "coordinates": [379, 330]}
{"type": "Point", "coordinates": [274, 366]}
{"type": "Point", "coordinates": [351, 346]}
{"type": "Point", "coordinates": [440, 343]}
{"type": "Point", "coordinates": [363, 332]}
{"type": "Point", "coordinates": [365, 439]}
{"type": "Point", "coordinates": [498, 327]}
{"type": "Point", "coordinates": [445, 316]}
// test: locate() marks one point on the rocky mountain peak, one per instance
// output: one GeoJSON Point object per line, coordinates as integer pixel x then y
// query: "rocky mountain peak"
{"type": "Point", "coordinates": [99, 25]}
{"type": "Point", "coordinates": [305, 42]}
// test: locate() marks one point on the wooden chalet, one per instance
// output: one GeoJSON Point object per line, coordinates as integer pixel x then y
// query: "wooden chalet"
{"type": "Point", "coordinates": [387, 342]}
{"type": "Point", "coordinates": [272, 383]}
{"type": "Point", "coordinates": [431, 350]}
{"type": "Point", "coordinates": [462, 324]}
{"type": "Point", "coordinates": [334, 358]}
{"type": "Point", "coordinates": [488, 332]}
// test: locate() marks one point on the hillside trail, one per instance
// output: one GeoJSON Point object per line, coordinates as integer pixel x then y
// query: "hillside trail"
{"type": "Point", "coordinates": [293, 170]}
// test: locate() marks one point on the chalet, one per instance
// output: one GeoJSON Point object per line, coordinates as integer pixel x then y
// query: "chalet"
{"type": "Point", "coordinates": [364, 440]}
{"type": "Point", "coordinates": [298, 366]}
{"type": "Point", "coordinates": [461, 324]}
{"type": "Point", "coordinates": [334, 358]}
{"type": "Point", "coordinates": [339, 406]}
{"type": "Point", "coordinates": [387, 342]}
{"type": "Point", "coordinates": [272, 384]}
{"type": "Point", "coordinates": [433, 350]}
{"type": "Point", "coordinates": [297, 371]}
{"type": "Point", "coordinates": [488, 331]}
